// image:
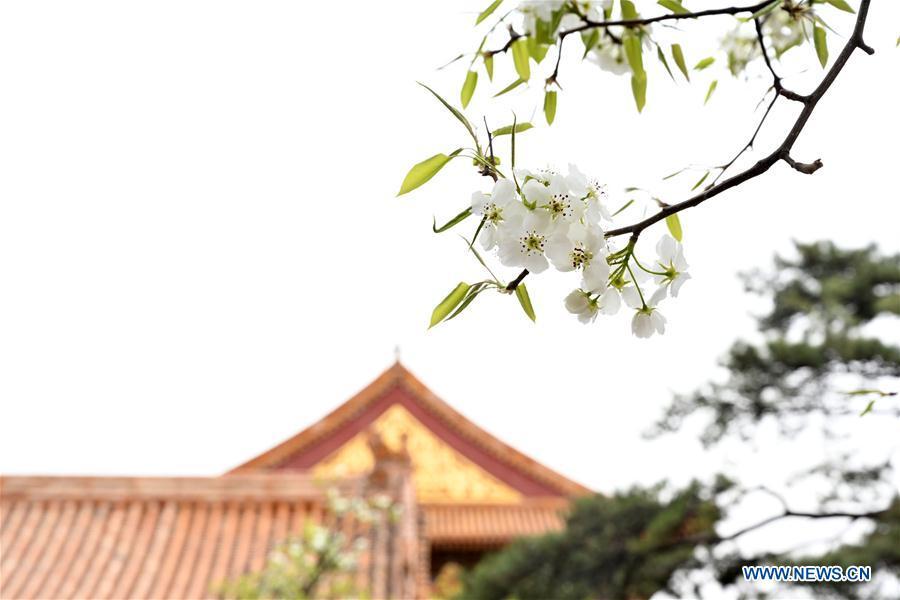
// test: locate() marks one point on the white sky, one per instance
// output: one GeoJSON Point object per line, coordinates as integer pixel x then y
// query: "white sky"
{"type": "Point", "coordinates": [201, 252]}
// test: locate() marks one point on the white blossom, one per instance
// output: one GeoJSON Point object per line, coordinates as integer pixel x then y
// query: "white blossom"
{"type": "Point", "coordinates": [673, 265]}
{"type": "Point", "coordinates": [495, 208]}
{"type": "Point", "coordinates": [647, 321]}
{"type": "Point", "coordinates": [581, 247]}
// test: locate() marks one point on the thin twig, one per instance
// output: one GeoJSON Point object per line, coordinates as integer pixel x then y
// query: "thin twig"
{"type": "Point", "coordinates": [782, 152]}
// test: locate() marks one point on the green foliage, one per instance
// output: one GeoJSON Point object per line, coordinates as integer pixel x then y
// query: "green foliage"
{"type": "Point", "coordinates": [525, 301]}
{"type": "Point", "coordinates": [425, 170]}
{"type": "Point", "coordinates": [550, 106]}
{"type": "Point", "coordinates": [446, 306]}
{"type": "Point", "coordinates": [821, 45]}
{"type": "Point", "coordinates": [814, 332]}
{"type": "Point", "coordinates": [674, 225]}
{"type": "Point", "coordinates": [623, 546]}
{"type": "Point", "coordinates": [468, 88]}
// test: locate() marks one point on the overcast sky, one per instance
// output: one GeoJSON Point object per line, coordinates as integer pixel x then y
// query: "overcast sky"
{"type": "Point", "coordinates": [201, 251]}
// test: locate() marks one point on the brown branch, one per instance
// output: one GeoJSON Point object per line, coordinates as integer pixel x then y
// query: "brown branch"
{"type": "Point", "coordinates": [730, 10]}
{"type": "Point", "coordinates": [782, 152]}
{"type": "Point", "coordinates": [515, 282]}
{"type": "Point", "coordinates": [780, 90]}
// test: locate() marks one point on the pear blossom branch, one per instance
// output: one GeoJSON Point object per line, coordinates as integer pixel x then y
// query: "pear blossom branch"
{"type": "Point", "coordinates": [782, 152]}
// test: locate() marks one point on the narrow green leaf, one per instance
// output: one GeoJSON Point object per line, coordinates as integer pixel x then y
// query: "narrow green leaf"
{"type": "Point", "coordinates": [700, 181]}
{"type": "Point", "coordinates": [639, 89]}
{"type": "Point", "coordinates": [841, 4]}
{"type": "Point", "coordinates": [550, 106]}
{"type": "Point", "coordinates": [678, 172]}
{"type": "Point", "coordinates": [624, 206]}
{"type": "Point", "coordinates": [452, 222]}
{"type": "Point", "coordinates": [536, 50]}
{"type": "Point", "coordinates": [628, 10]}
{"type": "Point", "coordinates": [520, 58]}
{"type": "Point", "coordinates": [821, 45]}
{"type": "Point", "coordinates": [712, 88]}
{"type": "Point", "coordinates": [471, 294]}
{"type": "Point", "coordinates": [468, 88]}
{"type": "Point", "coordinates": [590, 40]}
{"type": "Point", "coordinates": [763, 11]}
{"type": "Point", "coordinates": [633, 52]}
{"type": "Point", "coordinates": [425, 170]}
{"type": "Point", "coordinates": [674, 6]}
{"type": "Point", "coordinates": [704, 63]}
{"type": "Point", "coordinates": [488, 11]}
{"type": "Point", "coordinates": [866, 392]}
{"type": "Point", "coordinates": [520, 127]}
{"type": "Point", "coordinates": [489, 66]}
{"type": "Point", "coordinates": [525, 301]}
{"type": "Point", "coordinates": [868, 408]}
{"type": "Point", "coordinates": [662, 59]}
{"type": "Point", "coordinates": [510, 87]}
{"type": "Point", "coordinates": [462, 119]}
{"type": "Point", "coordinates": [448, 304]}
{"type": "Point", "coordinates": [678, 55]}
{"type": "Point", "coordinates": [674, 225]}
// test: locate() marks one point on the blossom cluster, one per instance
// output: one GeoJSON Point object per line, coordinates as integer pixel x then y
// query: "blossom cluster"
{"type": "Point", "coordinates": [542, 218]}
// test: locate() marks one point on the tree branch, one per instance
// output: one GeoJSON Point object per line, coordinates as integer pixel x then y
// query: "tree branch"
{"type": "Point", "coordinates": [783, 150]}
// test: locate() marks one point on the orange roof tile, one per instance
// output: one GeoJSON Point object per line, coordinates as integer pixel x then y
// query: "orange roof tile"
{"type": "Point", "coordinates": [86, 537]}
{"type": "Point", "coordinates": [490, 525]}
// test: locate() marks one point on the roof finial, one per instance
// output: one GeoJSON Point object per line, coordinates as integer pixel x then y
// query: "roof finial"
{"type": "Point", "coordinates": [397, 353]}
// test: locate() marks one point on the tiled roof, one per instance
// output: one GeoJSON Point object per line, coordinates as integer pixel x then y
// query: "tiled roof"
{"type": "Point", "coordinates": [490, 525]}
{"type": "Point", "coordinates": [83, 537]}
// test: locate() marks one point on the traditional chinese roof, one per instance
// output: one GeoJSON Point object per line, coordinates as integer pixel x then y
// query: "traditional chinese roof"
{"type": "Point", "coordinates": [126, 537]}
{"type": "Point", "coordinates": [490, 526]}
{"type": "Point", "coordinates": [454, 460]}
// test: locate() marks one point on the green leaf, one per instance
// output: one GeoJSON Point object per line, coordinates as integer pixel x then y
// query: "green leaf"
{"type": "Point", "coordinates": [763, 11]}
{"type": "Point", "coordinates": [662, 59]}
{"type": "Point", "coordinates": [868, 408]}
{"type": "Point", "coordinates": [471, 294]}
{"type": "Point", "coordinates": [639, 89]}
{"type": "Point", "coordinates": [821, 45]}
{"type": "Point", "coordinates": [452, 222]}
{"type": "Point", "coordinates": [678, 172]}
{"type": "Point", "coordinates": [674, 6]}
{"type": "Point", "coordinates": [841, 4]}
{"type": "Point", "coordinates": [536, 50]}
{"type": "Point", "coordinates": [448, 304]}
{"type": "Point", "coordinates": [678, 55]}
{"type": "Point", "coordinates": [628, 10]}
{"type": "Point", "coordinates": [700, 181]}
{"type": "Point", "coordinates": [632, 45]}
{"type": "Point", "coordinates": [510, 87]}
{"type": "Point", "coordinates": [488, 11]}
{"type": "Point", "coordinates": [704, 63]}
{"type": "Point", "coordinates": [623, 207]}
{"type": "Point", "coordinates": [468, 88]}
{"type": "Point", "coordinates": [590, 40]}
{"type": "Point", "coordinates": [520, 127]}
{"type": "Point", "coordinates": [674, 225]}
{"type": "Point", "coordinates": [712, 88]}
{"type": "Point", "coordinates": [520, 58]}
{"type": "Point", "coordinates": [457, 114]}
{"type": "Point", "coordinates": [489, 66]}
{"type": "Point", "coordinates": [525, 301]}
{"type": "Point", "coordinates": [550, 106]}
{"type": "Point", "coordinates": [425, 170]}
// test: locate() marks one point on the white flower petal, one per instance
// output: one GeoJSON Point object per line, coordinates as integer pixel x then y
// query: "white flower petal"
{"type": "Point", "coordinates": [610, 301]}
{"type": "Point", "coordinates": [666, 248]}
{"type": "Point", "coordinates": [632, 297]}
{"type": "Point", "coordinates": [504, 192]}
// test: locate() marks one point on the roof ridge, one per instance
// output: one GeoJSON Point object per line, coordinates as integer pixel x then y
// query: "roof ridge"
{"type": "Point", "coordinates": [398, 374]}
